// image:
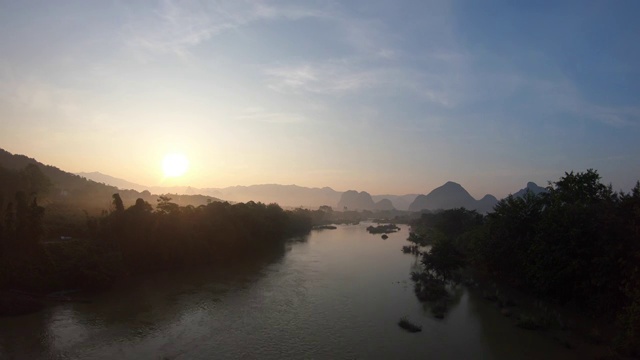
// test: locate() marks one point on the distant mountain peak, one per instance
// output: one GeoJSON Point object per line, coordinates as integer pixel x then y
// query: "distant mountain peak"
{"type": "Point", "coordinates": [451, 184]}
{"type": "Point", "coordinates": [452, 195]}
{"type": "Point", "coordinates": [532, 187]}
{"type": "Point", "coordinates": [489, 197]}
{"type": "Point", "coordinates": [354, 200]}
{"type": "Point", "coordinates": [384, 204]}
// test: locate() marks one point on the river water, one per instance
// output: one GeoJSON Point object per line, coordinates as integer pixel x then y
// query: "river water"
{"type": "Point", "coordinates": [336, 294]}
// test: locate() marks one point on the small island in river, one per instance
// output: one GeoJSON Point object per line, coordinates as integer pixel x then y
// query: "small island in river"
{"type": "Point", "coordinates": [383, 229]}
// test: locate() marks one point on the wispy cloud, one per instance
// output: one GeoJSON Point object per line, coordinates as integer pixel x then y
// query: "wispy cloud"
{"type": "Point", "coordinates": [322, 78]}
{"type": "Point", "coordinates": [36, 95]}
{"type": "Point", "coordinates": [614, 116]}
{"type": "Point", "coordinates": [177, 26]}
{"type": "Point", "coordinates": [439, 84]}
{"type": "Point", "coordinates": [559, 95]}
{"type": "Point", "coordinates": [52, 105]}
{"type": "Point", "coordinates": [438, 69]}
{"type": "Point", "coordinates": [262, 115]}
{"type": "Point", "coordinates": [174, 28]}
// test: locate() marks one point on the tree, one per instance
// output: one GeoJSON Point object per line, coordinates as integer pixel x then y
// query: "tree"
{"type": "Point", "coordinates": [165, 206]}
{"type": "Point", "coordinates": [510, 232]}
{"type": "Point", "coordinates": [22, 216]}
{"type": "Point", "coordinates": [117, 203]}
{"type": "Point", "coordinates": [573, 256]}
{"type": "Point", "coordinates": [582, 188]}
{"type": "Point", "coordinates": [36, 228]}
{"type": "Point", "coordinates": [141, 206]}
{"type": "Point", "coordinates": [9, 223]}
{"type": "Point", "coordinates": [2, 232]}
{"type": "Point", "coordinates": [443, 260]}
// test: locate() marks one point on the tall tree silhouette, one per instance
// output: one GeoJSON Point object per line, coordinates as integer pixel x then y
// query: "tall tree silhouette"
{"type": "Point", "coordinates": [117, 203]}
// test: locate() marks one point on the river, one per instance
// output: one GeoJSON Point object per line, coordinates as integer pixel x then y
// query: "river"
{"type": "Point", "coordinates": [336, 294]}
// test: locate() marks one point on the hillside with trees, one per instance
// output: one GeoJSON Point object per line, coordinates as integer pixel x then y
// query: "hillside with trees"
{"type": "Point", "coordinates": [126, 238]}
{"type": "Point", "coordinates": [66, 188]}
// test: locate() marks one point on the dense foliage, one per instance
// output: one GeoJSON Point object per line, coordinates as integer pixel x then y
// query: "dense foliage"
{"type": "Point", "coordinates": [177, 236]}
{"type": "Point", "coordinates": [578, 243]}
{"type": "Point", "coordinates": [446, 233]}
{"type": "Point", "coordinates": [95, 250]}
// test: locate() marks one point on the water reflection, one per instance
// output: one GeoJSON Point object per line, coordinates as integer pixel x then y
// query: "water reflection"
{"type": "Point", "coordinates": [134, 310]}
{"type": "Point", "coordinates": [27, 335]}
{"type": "Point", "coordinates": [337, 294]}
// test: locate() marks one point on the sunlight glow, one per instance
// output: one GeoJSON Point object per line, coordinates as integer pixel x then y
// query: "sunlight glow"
{"type": "Point", "coordinates": [174, 165]}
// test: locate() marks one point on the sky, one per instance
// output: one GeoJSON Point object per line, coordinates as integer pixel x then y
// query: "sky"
{"type": "Point", "coordinates": [387, 97]}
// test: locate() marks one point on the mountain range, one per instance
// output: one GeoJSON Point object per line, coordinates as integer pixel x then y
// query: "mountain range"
{"type": "Point", "coordinates": [284, 195]}
{"type": "Point", "coordinates": [450, 195]}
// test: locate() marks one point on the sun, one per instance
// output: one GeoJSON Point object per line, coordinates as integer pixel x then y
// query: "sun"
{"type": "Point", "coordinates": [174, 165]}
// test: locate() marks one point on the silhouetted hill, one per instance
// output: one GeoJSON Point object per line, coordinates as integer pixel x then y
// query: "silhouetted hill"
{"type": "Point", "coordinates": [284, 195]}
{"type": "Point", "coordinates": [353, 200]}
{"type": "Point", "coordinates": [66, 187]}
{"type": "Point", "coordinates": [113, 181]}
{"type": "Point", "coordinates": [448, 196]}
{"type": "Point", "coordinates": [531, 186]}
{"type": "Point", "coordinates": [128, 185]}
{"type": "Point", "coordinates": [452, 195]}
{"type": "Point", "coordinates": [400, 202]}
{"type": "Point", "coordinates": [486, 204]}
{"type": "Point", "coordinates": [383, 205]}
{"type": "Point", "coordinates": [84, 194]}
{"type": "Point", "coordinates": [300, 196]}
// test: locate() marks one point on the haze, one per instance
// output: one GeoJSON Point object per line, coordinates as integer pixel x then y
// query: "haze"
{"type": "Point", "coordinates": [381, 96]}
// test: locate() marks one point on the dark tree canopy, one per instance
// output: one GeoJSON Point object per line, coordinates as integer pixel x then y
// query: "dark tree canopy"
{"type": "Point", "coordinates": [578, 243]}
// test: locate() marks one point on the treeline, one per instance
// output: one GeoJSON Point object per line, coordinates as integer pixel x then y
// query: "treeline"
{"type": "Point", "coordinates": [122, 240]}
{"type": "Point", "coordinates": [21, 218]}
{"type": "Point", "coordinates": [175, 236]}
{"type": "Point", "coordinates": [576, 244]}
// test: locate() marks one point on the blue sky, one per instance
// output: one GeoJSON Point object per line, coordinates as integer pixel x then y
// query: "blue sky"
{"type": "Point", "coordinates": [382, 96]}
